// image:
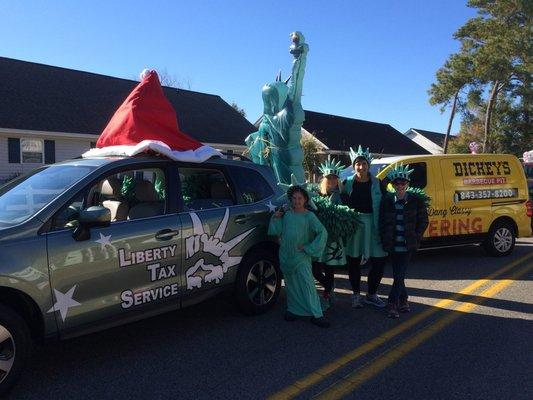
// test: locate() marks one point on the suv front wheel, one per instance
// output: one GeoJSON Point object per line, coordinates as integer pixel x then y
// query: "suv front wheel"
{"type": "Point", "coordinates": [15, 347]}
{"type": "Point", "coordinates": [258, 282]}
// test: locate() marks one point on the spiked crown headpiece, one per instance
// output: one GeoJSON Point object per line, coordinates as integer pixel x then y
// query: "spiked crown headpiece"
{"type": "Point", "coordinates": [331, 167]}
{"type": "Point", "coordinates": [360, 153]}
{"type": "Point", "coordinates": [399, 171]}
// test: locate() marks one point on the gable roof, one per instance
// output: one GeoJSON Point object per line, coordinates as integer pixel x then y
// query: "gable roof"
{"type": "Point", "coordinates": [46, 98]}
{"type": "Point", "coordinates": [435, 137]}
{"type": "Point", "coordinates": [339, 133]}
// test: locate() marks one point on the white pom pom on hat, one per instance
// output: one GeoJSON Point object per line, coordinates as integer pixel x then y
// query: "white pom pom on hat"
{"type": "Point", "coordinates": [145, 72]}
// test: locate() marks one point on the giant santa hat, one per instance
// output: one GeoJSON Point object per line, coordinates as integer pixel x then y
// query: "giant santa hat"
{"type": "Point", "coordinates": [146, 121]}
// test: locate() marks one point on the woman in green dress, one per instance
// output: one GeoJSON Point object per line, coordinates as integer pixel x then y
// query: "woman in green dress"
{"type": "Point", "coordinates": [363, 193]}
{"type": "Point", "coordinates": [302, 237]}
{"type": "Point", "coordinates": [333, 255]}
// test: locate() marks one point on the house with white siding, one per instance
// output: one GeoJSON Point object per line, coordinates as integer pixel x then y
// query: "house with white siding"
{"type": "Point", "coordinates": [49, 114]}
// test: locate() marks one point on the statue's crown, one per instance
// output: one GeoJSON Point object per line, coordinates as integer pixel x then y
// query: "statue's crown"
{"type": "Point", "coordinates": [360, 153]}
{"type": "Point", "coordinates": [399, 171]}
{"type": "Point", "coordinates": [331, 167]}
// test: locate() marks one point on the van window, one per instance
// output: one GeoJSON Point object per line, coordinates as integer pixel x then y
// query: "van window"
{"type": "Point", "coordinates": [128, 195]}
{"type": "Point", "coordinates": [252, 185]}
{"type": "Point", "coordinates": [419, 175]}
{"type": "Point", "coordinates": [204, 188]}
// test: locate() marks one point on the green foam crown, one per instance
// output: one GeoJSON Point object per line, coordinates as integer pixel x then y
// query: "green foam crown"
{"type": "Point", "coordinates": [399, 171]}
{"type": "Point", "coordinates": [331, 167]}
{"type": "Point", "coordinates": [361, 153]}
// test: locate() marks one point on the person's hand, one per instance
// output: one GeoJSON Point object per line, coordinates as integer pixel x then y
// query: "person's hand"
{"type": "Point", "coordinates": [279, 213]}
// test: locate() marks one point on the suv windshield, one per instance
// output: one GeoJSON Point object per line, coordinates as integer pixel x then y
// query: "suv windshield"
{"type": "Point", "coordinates": [24, 197]}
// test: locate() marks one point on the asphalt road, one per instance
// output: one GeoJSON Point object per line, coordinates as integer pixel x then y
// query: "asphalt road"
{"type": "Point", "coordinates": [477, 347]}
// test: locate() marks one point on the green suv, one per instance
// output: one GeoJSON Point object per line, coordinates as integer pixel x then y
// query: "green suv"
{"type": "Point", "coordinates": [93, 243]}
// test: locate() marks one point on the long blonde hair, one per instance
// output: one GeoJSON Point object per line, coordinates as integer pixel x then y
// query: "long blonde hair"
{"type": "Point", "coordinates": [324, 185]}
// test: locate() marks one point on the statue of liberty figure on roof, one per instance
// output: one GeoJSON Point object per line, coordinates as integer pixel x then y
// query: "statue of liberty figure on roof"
{"type": "Point", "coordinates": [277, 141]}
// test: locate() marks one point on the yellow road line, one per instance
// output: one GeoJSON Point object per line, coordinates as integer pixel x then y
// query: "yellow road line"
{"type": "Point", "coordinates": [356, 378]}
{"type": "Point", "coordinates": [322, 373]}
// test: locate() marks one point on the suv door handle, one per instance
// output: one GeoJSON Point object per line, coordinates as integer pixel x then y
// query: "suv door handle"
{"type": "Point", "coordinates": [165, 234]}
{"type": "Point", "coordinates": [241, 219]}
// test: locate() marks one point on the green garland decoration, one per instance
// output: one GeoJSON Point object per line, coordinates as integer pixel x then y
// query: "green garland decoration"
{"type": "Point", "coordinates": [159, 187]}
{"type": "Point", "coordinates": [248, 198]}
{"type": "Point", "coordinates": [128, 188]}
{"type": "Point", "coordinates": [339, 220]}
{"type": "Point", "coordinates": [421, 193]}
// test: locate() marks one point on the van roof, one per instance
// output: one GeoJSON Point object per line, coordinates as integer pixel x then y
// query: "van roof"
{"type": "Point", "coordinates": [392, 160]}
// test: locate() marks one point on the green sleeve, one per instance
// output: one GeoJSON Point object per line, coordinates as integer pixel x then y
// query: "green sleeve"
{"type": "Point", "coordinates": [316, 247]}
{"type": "Point", "coordinates": [276, 226]}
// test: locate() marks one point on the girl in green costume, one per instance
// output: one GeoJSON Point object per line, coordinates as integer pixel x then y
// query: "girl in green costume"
{"type": "Point", "coordinates": [333, 255]}
{"type": "Point", "coordinates": [363, 193]}
{"type": "Point", "coordinates": [302, 237]}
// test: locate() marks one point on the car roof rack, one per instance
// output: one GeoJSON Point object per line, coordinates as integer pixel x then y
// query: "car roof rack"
{"type": "Point", "coordinates": [232, 156]}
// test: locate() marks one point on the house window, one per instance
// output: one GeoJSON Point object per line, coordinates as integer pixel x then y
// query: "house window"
{"type": "Point", "coordinates": [13, 145]}
{"type": "Point", "coordinates": [49, 151]}
{"type": "Point", "coordinates": [31, 151]}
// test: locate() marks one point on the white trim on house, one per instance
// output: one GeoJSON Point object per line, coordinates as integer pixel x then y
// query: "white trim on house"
{"type": "Point", "coordinates": [304, 132]}
{"type": "Point", "coordinates": [227, 146]}
{"type": "Point", "coordinates": [322, 146]}
{"type": "Point", "coordinates": [424, 142]}
{"type": "Point", "coordinates": [48, 134]}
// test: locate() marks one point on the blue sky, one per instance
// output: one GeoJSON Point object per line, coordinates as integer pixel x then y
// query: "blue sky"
{"type": "Point", "coordinates": [371, 60]}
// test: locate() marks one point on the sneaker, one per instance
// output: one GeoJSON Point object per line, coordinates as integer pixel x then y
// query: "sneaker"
{"type": "Point", "coordinates": [289, 316]}
{"type": "Point", "coordinates": [357, 301]}
{"type": "Point", "coordinates": [392, 311]}
{"type": "Point", "coordinates": [321, 322]}
{"type": "Point", "coordinates": [404, 307]}
{"type": "Point", "coordinates": [328, 297]}
{"type": "Point", "coordinates": [373, 299]}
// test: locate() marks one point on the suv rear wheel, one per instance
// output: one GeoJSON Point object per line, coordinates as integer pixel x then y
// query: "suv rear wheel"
{"type": "Point", "coordinates": [15, 347]}
{"type": "Point", "coordinates": [501, 239]}
{"type": "Point", "coordinates": [258, 282]}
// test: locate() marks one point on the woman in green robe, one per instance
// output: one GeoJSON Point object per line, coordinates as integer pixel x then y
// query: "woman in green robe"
{"type": "Point", "coordinates": [333, 255]}
{"type": "Point", "coordinates": [363, 193]}
{"type": "Point", "coordinates": [302, 237]}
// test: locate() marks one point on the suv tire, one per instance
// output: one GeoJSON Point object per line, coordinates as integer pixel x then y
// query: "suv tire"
{"type": "Point", "coordinates": [258, 282]}
{"type": "Point", "coordinates": [500, 240]}
{"type": "Point", "coordinates": [15, 347]}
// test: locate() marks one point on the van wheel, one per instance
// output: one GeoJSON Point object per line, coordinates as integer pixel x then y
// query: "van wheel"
{"type": "Point", "coordinates": [15, 347]}
{"type": "Point", "coordinates": [258, 282]}
{"type": "Point", "coordinates": [501, 239]}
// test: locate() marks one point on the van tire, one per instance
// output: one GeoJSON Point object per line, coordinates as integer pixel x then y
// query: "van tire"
{"type": "Point", "coordinates": [258, 282]}
{"type": "Point", "coordinates": [500, 240]}
{"type": "Point", "coordinates": [15, 348]}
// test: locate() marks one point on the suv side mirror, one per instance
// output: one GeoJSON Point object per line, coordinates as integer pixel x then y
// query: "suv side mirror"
{"type": "Point", "coordinates": [92, 217]}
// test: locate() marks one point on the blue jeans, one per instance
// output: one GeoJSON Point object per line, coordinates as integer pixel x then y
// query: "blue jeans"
{"type": "Point", "coordinates": [398, 291]}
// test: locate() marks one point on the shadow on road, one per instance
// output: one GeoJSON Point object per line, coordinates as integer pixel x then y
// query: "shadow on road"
{"type": "Point", "coordinates": [212, 351]}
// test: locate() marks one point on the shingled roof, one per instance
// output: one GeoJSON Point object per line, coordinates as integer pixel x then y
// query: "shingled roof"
{"type": "Point", "coordinates": [339, 133]}
{"type": "Point", "coordinates": [435, 137]}
{"type": "Point", "coordinates": [47, 98]}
